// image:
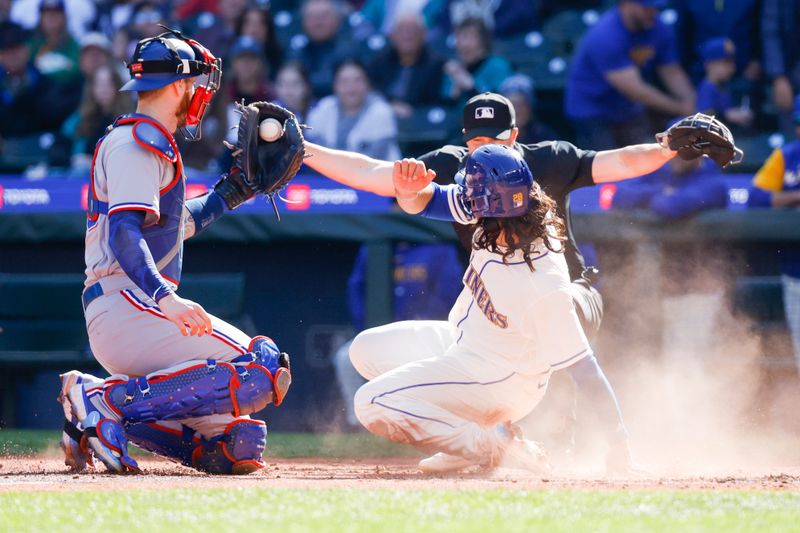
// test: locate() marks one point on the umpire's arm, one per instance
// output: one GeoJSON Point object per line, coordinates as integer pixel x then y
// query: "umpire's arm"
{"type": "Point", "coordinates": [629, 162]}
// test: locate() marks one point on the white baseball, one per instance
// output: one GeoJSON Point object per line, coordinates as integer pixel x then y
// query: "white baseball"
{"type": "Point", "coordinates": [270, 129]}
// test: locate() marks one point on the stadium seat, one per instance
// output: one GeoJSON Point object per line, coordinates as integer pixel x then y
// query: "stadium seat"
{"type": "Point", "coordinates": [524, 50]}
{"type": "Point", "coordinates": [427, 126]}
{"type": "Point", "coordinates": [757, 149]}
{"type": "Point", "coordinates": [41, 318]}
{"type": "Point", "coordinates": [760, 298]}
{"type": "Point", "coordinates": [549, 75]}
{"type": "Point", "coordinates": [566, 28]}
{"type": "Point", "coordinates": [287, 24]}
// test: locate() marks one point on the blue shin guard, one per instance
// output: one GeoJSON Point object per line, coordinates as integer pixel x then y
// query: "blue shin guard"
{"type": "Point", "coordinates": [107, 440]}
{"type": "Point", "coordinates": [242, 386]}
{"type": "Point", "coordinates": [238, 450]}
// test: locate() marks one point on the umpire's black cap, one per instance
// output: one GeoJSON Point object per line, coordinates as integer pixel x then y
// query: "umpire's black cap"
{"type": "Point", "coordinates": [489, 115]}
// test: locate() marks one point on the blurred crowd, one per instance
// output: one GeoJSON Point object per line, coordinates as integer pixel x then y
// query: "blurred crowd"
{"type": "Point", "coordinates": [379, 76]}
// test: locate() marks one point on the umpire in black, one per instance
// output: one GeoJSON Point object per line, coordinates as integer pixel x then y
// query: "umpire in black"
{"type": "Point", "coordinates": [560, 168]}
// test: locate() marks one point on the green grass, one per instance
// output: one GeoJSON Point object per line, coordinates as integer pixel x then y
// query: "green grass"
{"type": "Point", "coordinates": [26, 442]}
{"type": "Point", "coordinates": [331, 510]}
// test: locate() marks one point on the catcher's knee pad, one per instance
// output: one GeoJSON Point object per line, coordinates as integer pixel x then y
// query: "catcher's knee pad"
{"type": "Point", "coordinates": [244, 385]}
{"type": "Point", "coordinates": [107, 440]}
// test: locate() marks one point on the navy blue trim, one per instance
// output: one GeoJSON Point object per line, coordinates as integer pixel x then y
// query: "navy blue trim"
{"type": "Point", "coordinates": [412, 414]}
{"type": "Point", "coordinates": [479, 275]}
{"type": "Point", "coordinates": [375, 398]}
{"type": "Point", "coordinates": [443, 383]}
{"type": "Point", "coordinates": [568, 359]}
{"type": "Point", "coordinates": [90, 294]}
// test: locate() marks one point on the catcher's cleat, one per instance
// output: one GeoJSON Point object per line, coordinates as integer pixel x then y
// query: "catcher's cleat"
{"type": "Point", "coordinates": [521, 453]}
{"type": "Point", "coordinates": [444, 463]}
{"type": "Point", "coordinates": [76, 454]}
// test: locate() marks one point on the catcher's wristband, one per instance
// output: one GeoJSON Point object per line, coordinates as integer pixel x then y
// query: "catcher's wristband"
{"type": "Point", "coordinates": [233, 190]}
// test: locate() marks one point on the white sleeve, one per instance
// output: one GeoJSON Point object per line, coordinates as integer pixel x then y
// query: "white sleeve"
{"type": "Point", "coordinates": [560, 340]}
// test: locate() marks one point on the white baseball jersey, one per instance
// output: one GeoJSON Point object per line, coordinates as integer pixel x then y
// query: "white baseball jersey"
{"type": "Point", "coordinates": [522, 320]}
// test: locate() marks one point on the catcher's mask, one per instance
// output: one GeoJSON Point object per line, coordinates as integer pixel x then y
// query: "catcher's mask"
{"type": "Point", "coordinates": [169, 57]}
{"type": "Point", "coordinates": [496, 181]}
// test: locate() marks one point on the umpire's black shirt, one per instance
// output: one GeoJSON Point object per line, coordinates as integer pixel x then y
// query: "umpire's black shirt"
{"type": "Point", "coordinates": [558, 166]}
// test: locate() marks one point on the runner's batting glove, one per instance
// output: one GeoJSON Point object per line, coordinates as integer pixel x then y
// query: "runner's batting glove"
{"type": "Point", "coordinates": [699, 135]}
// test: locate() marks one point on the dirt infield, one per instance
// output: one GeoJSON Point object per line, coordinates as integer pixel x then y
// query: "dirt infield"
{"type": "Point", "coordinates": [48, 473]}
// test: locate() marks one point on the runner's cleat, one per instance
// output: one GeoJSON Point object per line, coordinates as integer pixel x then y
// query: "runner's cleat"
{"type": "Point", "coordinates": [444, 463]}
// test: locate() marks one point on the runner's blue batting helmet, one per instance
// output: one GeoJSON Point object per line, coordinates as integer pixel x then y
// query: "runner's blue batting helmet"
{"type": "Point", "coordinates": [496, 181]}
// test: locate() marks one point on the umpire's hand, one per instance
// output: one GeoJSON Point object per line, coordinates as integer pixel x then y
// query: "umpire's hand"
{"type": "Point", "coordinates": [190, 317]}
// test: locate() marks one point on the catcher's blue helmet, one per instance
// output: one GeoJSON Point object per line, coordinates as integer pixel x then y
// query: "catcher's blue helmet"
{"type": "Point", "coordinates": [167, 58]}
{"type": "Point", "coordinates": [496, 181]}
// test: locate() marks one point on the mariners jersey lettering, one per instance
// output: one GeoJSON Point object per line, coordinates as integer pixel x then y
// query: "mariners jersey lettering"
{"type": "Point", "coordinates": [126, 177]}
{"type": "Point", "coordinates": [514, 318]}
{"type": "Point", "coordinates": [481, 296]}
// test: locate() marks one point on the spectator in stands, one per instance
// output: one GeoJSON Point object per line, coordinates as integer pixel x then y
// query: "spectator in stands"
{"type": "Point", "coordinates": [354, 118]}
{"type": "Point", "coordinates": [294, 89]}
{"type": "Point", "coordinates": [780, 20]}
{"type": "Point", "coordinates": [519, 90]}
{"type": "Point", "coordinates": [427, 281]}
{"type": "Point", "coordinates": [188, 9]}
{"type": "Point", "coordinates": [249, 80]}
{"type": "Point", "coordinates": [407, 72]}
{"type": "Point", "coordinates": [100, 105]}
{"type": "Point", "coordinates": [607, 95]}
{"type": "Point", "coordinates": [122, 48]}
{"type": "Point", "coordinates": [217, 29]}
{"type": "Point", "coordinates": [699, 22]}
{"type": "Point", "coordinates": [80, 15]}
{"type": "Point", "coordinates": [503, 18]}
{"type": "Point", "coordinates": [549, 8]}
{"type": "Point", "coordinates": [676, 190]}
{"type": "Point", "coordinates": [257, 22]}
{"type": "Point", "coordinates": [95, 52]}
{"type": "Point", "coordinates": [381, 15]}
{"type": "Point", "coordinates": [475, 70]}
{"type": "Point", "coordinates": [326, 43]}
{"type": "Point", "coordinates": [27, 105]}
{"type": "Point", "coordinates": [777, 185]}
{"type": "Point", "coordinates": [147, 19]}
{"type": "Point", "coordinates": [713, 95]}
{"type": "Point", "coordinates": [54, 51]}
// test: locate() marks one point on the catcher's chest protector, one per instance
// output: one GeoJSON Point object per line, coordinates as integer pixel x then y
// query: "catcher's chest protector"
{"type": "Point", "coordinates": [164, 238]}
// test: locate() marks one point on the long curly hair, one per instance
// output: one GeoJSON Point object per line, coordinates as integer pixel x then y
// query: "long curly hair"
{"type": "Point", "coordinates": [505, 236]}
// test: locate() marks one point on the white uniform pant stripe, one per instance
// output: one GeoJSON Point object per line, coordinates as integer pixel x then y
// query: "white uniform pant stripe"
{"type": "Point", "coordinates": [448, 404]}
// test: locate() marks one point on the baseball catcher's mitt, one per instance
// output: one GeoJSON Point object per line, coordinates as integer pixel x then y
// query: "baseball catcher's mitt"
{"type": "Point", "coordinates": [261, 167]}
{"type": "Point", "coordinates": [700, 135]}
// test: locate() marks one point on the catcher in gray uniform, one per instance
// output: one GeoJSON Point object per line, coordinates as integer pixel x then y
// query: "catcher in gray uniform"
{"type": "Point", "coordinates": [183, 383]}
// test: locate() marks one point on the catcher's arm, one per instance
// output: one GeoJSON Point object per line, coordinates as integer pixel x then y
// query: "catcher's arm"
{"type": "Point", "coordinates": [352, 169]}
